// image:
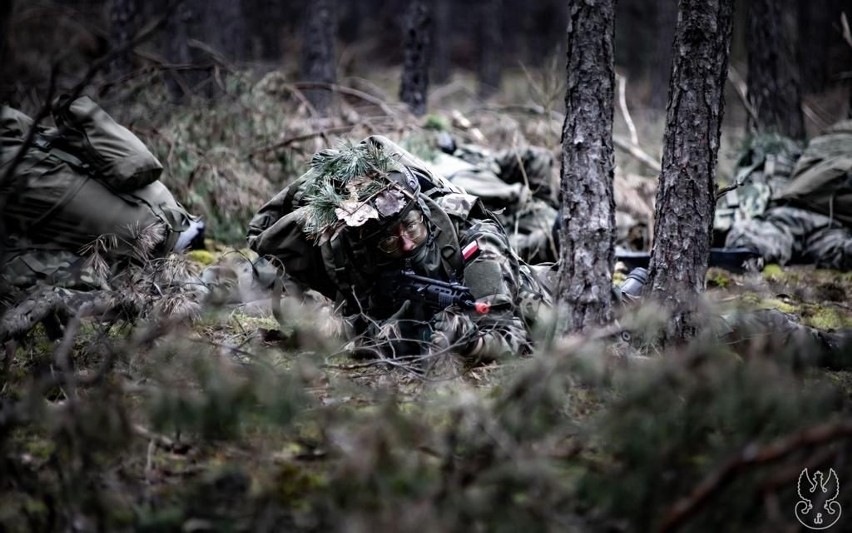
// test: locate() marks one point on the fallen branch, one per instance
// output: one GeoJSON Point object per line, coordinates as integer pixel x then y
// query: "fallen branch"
{"type": "Point", "coordinates": [751, 455]}
{"type": "Point", "coordinates": [348, 91]}
{"type": "Point", "coordinates": [302, 137]}
{"type": "Point", "coordinates": [637, 152]}
{"type": "Point", "coordinates": [622, 103]}
{"type": "Point", "coordinates": [742, 91]}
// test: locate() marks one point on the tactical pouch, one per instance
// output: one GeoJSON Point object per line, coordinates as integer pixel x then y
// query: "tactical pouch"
{"type": "Point", "coordinates": [113, 153]}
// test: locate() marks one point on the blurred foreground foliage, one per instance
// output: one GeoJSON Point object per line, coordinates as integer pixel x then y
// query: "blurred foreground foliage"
{"type": "Point", "coordinates": [228, 422]}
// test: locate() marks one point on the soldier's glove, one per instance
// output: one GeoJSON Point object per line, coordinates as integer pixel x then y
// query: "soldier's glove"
{"type": "Point", "coordinates": [454, 331]}
{"type": "Point", "coordinates": [380, 337]}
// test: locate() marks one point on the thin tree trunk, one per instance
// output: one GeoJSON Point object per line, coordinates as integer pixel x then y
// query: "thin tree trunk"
{"type": "Point", "coordinates": [124, 18]}
{"type": "Point", "coordinates": [490, 51]}
{"type": "Point", "coordinates": [441, 39]}
{"type": "Point", "coordinates": [685, 201]}
{"type": "Point", "coordinates": [417, 50]}
{"type": "Point", "coordinates": [6, 85]}
{"type": "Point", "coordinates": [588, 204]}
{"type": "Point", "coordinates": [661, 54]}
{"type": "Point", "coordinates": [318, 51]}
{"type": "Point", "coordinates": [773, 77]}
{"type": "Point", "coordinates": [814, 18]}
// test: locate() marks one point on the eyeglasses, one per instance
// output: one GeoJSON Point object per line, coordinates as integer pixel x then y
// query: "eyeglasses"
{"type": "Point", "coordinates": [405, 236]}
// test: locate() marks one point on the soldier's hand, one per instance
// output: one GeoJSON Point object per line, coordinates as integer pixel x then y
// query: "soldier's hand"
{"type": "Point", "coordinates": [454, 331]}
{"type": "Point", "coordinates": [388, 330]}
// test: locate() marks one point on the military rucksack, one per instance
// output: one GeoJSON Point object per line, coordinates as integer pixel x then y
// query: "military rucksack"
{"type": "Point", "coordinates": [83, 179]}
{"type": "Point", "coordinates": [761, 172]}
{"type": "Point", "coordinates": [822, 178]}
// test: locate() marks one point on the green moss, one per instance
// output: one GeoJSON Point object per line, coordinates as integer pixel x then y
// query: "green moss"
{"type": "Point", "coordinates": [201, 256]}
{"type": "Point", "coordinates": [436, 122]}
{"type": "Point", "coordinates": [825, 318]}
{"type": "Point", "coordinates": [774, 303]}
{"type": "Point", "coordinates": [717, 277]}
{"type": "Point", "coordinates": [772, 272]}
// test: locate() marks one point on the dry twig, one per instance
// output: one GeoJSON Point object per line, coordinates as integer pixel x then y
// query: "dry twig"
{"type": "Point", "coordinates": [751, 455]}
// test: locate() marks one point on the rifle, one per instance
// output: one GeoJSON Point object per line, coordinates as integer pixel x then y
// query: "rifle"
{"type": "Point", "coordinates": [433, 293]}
{"type": "Point", "coordinates": [731, 259]}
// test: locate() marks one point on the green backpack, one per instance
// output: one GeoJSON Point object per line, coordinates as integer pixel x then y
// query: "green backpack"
{"type": "Point", "coordinates": [822, 178]}
{"type": "Point", "coordinates": [86, 178]}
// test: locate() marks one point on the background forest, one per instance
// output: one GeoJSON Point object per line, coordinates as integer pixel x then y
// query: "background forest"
{"type": "Point", "coordinates": [170, 415]}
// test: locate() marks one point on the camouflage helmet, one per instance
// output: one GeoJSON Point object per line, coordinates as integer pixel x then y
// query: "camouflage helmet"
{"type": "Point", "coordinates": [359, 189]}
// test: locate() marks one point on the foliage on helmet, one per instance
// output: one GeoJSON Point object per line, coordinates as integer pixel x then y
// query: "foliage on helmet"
{"type": "Point", "coordinates": [349, 186]}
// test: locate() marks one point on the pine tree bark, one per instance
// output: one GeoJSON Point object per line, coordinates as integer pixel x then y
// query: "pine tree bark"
{"type": "Point", "coordinates": [417, 50]}
{"type": "Point", "coordinates": [192, 24]}
{"type": "Point", "coordinates": [124, 18]}
{"type": "Point", "coordinates": [318, 51]}
{"type": "Point", "coordinates": [814, 19]}
{"type": "Point", "coordinates": [584, 294]}
{"type": "Point", "coordinates": [490, 50]}
{"type": "Point", "coordinates": [5, 56]}
{"type": "Point", "coordinates": [773, 78]}
{"type": "Point", "coordinates": [441, 39]}
{"type": "Point", "coordinates": [660, 67]}
{"type": "Point", "coordinates": [685, 196]}
{"type": "Point", "coordinates": [226, 29]}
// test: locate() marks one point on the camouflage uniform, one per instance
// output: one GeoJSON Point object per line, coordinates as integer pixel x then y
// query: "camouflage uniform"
{"type": "Point", "coordinates": [792, 235]}
{"type": "Point", "coordinates": [517, 185]}
{"type": "Point", "coordinates": [354, 279]}
{"type": "Point", "coordinates": [795, 209]}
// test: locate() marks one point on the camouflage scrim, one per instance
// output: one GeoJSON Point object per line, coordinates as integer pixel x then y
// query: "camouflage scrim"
{"type": "Point", "coordinates": [517, 185]}
{"type": "Point", "coordinates": [795, 207]}
{"type": "Point", "coordinates": [761, 172]}
{"type": "Point", "coordinates": [791, 235]}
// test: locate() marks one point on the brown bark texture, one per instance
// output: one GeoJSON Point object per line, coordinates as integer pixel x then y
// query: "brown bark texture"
{"type": "Point", "coordinates": [665, 17]}
{"type": "Point", "coordinates": [441, 39]}
{"type": "Point", "coordinates": [490, 34]}
{"type": "Point", "coordinates": [773, 72]}
{"type": "Point", "coordinates": [685, 198]}
{"type": "Point", "coordinates": [318, 54]}
{"type": "Point", "coordinates": [417, 50]}
{"type": "Point", "coordinates": [124, 18]}
{"type": "Point", "coordinates": [584, 294]}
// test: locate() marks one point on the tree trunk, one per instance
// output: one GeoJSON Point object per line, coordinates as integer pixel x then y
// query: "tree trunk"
{"type": "Point", "coordinates": [417, 49]}
{"type": "Point", "coordinates": [123, 18]}
{"type": "Point", "coordinates": [815, 19]}
{"type": "Point", "coordinates": [584, 296]}
{"type": "Point", "coordinates": [685, 199]}
{"type": "Point", "coordinates": [195, 66]}
{"type": "Point", "coordinates": [773, 78]}
{"type": "Point", "coordinates": [490, 52]}
{"type": "Point", "coordinates": [442, 38]}
{"type": "Point", "coordinates": [661, 55]}
{"type": "Point", "coordinates": [6, 85]}
{"type": "Point", "coordinates": [318, 55]}
{"type": "Point", "coordinates": [225, 29]}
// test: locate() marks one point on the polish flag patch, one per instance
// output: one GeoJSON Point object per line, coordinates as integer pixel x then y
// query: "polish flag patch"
{"type": "Point", "coordinates": [470, 250]}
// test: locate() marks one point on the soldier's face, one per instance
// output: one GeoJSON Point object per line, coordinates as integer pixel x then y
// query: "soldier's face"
{"type": "Point", "coordinates": [404, 237]}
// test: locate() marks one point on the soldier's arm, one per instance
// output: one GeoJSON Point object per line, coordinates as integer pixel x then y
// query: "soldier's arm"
{"type": "Point", "coordinates": [492, 274]}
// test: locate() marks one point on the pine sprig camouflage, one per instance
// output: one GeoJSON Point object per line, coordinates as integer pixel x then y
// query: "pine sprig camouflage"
{"type": "Point", "coordinates": [351, 172]}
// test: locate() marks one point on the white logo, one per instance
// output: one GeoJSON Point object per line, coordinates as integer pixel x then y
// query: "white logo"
{"type": "Point", "coordinates": [818, 508]}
